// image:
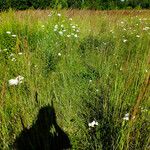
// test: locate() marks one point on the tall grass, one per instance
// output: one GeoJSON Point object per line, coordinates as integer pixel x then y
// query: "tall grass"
{"type": "Point", "coordinates": [98, 69]}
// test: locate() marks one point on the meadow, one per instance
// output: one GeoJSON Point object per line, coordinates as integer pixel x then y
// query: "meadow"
{"type": "Point", "coordinates": [93, 65]}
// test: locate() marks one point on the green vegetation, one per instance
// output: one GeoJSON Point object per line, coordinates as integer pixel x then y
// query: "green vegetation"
{"type": "Point", "coordinates": [88, 4]}
{"type": "Point", "coordinates": [94, 67]}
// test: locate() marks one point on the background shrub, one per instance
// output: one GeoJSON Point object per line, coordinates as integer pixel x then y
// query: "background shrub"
{"type": "Point", "coordinates": [94, 4]}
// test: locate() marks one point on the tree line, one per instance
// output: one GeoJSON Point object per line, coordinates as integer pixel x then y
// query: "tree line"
{"type": "Point", "coordinates": [80, 4]}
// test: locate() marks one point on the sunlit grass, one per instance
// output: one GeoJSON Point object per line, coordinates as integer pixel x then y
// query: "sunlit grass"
{"type": "Point", "coordinates": [95, 67]}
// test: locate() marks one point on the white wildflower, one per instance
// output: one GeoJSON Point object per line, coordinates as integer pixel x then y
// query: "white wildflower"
{"type": "Point", "coordinates": [13, 59]}
{"type": "Point", "coordinates": [8, 32]}
{"type": "Point", "coordinates": [90, 81]}
{"type": "Point", "coordinates": [70, 19]}
{"type": "Point", "coordinates": [55, 29]}
{"type": "Point", "coordinates": [125, 40]}
{"type": "Point", "coordinates": [62, 25]}
{"type": "Point", "coordinates": [56, 26]}
{"type": "Point", "coordinates": [60, 32]}
{"type": "Point", "coordinates": [11, 55]}
{"type": "Point", "coordinates": [146, 28]}
{"type": "Point", "coordinates": [73, 27]}
{"type": "Point", "coordinates": [59, 54]}
{"type": "Point", "coordinates": [68, 35]}
{"type": "Point", "coordinates": [75, 35]}
{"type": "Point", "coordinates": [93, 124]}
{"type": "Point", "coordinates": [59, 15]}
{"type": "Point", "coordinates": [97, 90]}
{"type": "Point", "coordinates": [20, 53]}
{"type": "Point", "coordinates": [13, 35]}
{"type": "Point", "coordinates": [16, 81]}
{"type": "Point", "coordinates": [137, 36]}
{"type": "Point", "coordinates": [126, 117]}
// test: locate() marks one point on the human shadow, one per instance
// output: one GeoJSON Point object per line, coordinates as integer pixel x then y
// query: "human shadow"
{"type": "Point", "coordinates": [45, 133]}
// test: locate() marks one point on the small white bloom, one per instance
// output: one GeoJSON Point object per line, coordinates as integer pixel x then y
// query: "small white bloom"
{"type": "Point", "coordinates": [56, 26]}
{"type": "Point", "coordinates": [146, 28]}
{"type": "Point", "coordinates": [16, 81]}
{"type": "Point", "coordinates": [19, 78]}
{"type": "Point", "coordinates": [11, 55]}
{"type": "Point", "coordinates": [137, 36]}
{"type": "Point", "coordinates": [68, 35]}
{"type": "Point", "coordinates": [77, 31]}
{"type": "Point", "coordinates": [60, 32]}
{"type": "Point", "coordinates": [126, 117]}
{"type": "Point", "coordinates": [59, 54]}
{"type": "Point", "coordinates": [62, 25]}
{"type": "Point", "coordinates": [13, 82]}
{"type": "Point", "coordinates": [58, 14]}
{"type": "Point", "coordinates": [93, 124]}
{"type": "Point", "coordinates": [73, 27]}
{"type": "Point", "coordinates": [90, 81]}
{"type": "Point", "coordinates": [13, 35]}
{"type": "Point", "coordinates": [75, 35]}
{"type": "Point", "coordinates": [70, 19]}
{"type": "Point", "coordinates": [20, 53]}
{"type": "Point", "coordinates": [8, 32]}
{"type": "Point", "coordinates": [125, 40]}
{"type": "Point", "coordinates": [55, 29]}
{"type": "Point", "coordinates": [13, 59]}
{"type": "Point", "coordinates": [146, 70]}
{"type": "Point", "coordinates": [64, 30]}
{"type": "Point", "coordinates": [42, 26]}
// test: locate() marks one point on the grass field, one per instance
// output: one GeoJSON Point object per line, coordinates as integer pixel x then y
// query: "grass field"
{"type": "Point", "coordinates": [94, 65]}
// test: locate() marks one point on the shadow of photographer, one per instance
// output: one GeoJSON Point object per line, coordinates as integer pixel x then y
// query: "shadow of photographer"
{"type": "Point", "coordinates": [40, 135]}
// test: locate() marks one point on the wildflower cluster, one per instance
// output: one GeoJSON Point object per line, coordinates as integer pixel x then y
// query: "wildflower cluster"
{"type": "Point", "coordinates": [66, 30]}
{"type": "Point", "coordinates": [93, 124]}
{"type": "Point", "coordinates": [16, 81]}
{"type": "Point", "coordinates": [9, 33]}
{"type": "Point", "coordinates": [126, 117]}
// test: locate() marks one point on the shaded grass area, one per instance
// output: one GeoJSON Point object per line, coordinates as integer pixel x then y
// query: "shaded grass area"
{"type": "Point", "coordinates": [94, 66]}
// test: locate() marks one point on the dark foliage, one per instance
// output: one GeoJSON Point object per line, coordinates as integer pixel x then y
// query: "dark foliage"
{"type": "Point", "coordinates": [94, 4]}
